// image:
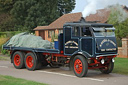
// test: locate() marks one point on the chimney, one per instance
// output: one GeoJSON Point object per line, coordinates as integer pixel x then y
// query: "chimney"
{"type": "Point", "coordinates": [82, 19]}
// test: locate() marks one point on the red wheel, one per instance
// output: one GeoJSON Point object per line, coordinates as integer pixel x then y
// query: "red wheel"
{"type": "Point", "coordinates": [78, 66]}
{"type": "Point", "coordinates": [17, 60]}
{"type": "Point", "coordinates": [29, 61]}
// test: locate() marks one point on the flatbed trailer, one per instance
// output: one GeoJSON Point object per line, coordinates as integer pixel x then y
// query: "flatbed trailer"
{"type": "Point", "coordinates": [81, 46]}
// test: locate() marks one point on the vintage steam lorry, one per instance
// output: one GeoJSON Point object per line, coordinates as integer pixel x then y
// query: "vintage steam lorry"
{"type": "Point", "coordinates": [82, 46]}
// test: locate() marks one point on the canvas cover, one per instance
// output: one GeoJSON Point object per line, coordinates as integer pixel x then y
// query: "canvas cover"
{"type": "Point", "coordinates": [28, 40]}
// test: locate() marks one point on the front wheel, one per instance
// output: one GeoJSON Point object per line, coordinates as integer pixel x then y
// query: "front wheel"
{"type": "Point", "coordinates": [107, 69]}
{"type": "Point", "coordinates": [80, 66]}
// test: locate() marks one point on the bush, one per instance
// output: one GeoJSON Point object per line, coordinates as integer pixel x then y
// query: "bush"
{"type": "Point", "coordinates": [4, 51]}
{"type": "Point", "coordinates": [8, 34]}
{"type": "Point", "coordinates": [119, 42]}
{"type": "Point", "coordinates": [4, 37]}
{"type": "Point", "coordinates": [54, 37]}
{"type": "Point", "coordinates": [2, 41]}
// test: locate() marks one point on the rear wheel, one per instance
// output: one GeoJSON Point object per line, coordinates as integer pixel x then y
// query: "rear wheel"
{"type": "Point", "coordinates": [80, 66]}
{"type": "Point", "coordinates": [107, 69]}
{"type": "Point", "coordinates": [30, 61]}
{"type": "Point", "coordinates": [18, 59]}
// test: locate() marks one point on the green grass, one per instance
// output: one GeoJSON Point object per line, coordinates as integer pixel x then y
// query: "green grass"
{"type": "Point", "coordinates": [8, 80]}
{"type": "Point", "coordinates": [4, 58]}
{"type": "Point", "coordinates": [3, 40]}
{"type": "Point", "coordinates": [121, 66]}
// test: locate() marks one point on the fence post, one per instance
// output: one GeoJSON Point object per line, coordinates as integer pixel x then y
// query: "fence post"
{"type": "Point", "coordinates": [125, 47]}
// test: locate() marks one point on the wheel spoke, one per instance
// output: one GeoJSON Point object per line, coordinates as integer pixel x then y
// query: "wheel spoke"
{"type": "Point", "coordinates": [29, 61]}
{"type": "Point", "coordinates": [17, 60]}
{"type": "Point", "coordinates": [78, 66]}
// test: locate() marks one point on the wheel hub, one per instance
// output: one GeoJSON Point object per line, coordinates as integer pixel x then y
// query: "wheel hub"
{"type": "Point", "coordinates": [29, 61]}
{"type": "Point", "coordinates": [17, 60]}
{"type": "Point", "coordinates": [78, 66]}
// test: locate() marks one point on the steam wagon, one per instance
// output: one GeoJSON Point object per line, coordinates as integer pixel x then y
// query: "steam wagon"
{"type": "Point", "coordinates": [82, 46]}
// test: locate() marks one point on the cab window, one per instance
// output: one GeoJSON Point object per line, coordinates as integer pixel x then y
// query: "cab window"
{"type": "Point", "coordinates": [75, 31]}
{"type": "Point", "coordinates": [85, 31]}
{"type": "Point", "coordinates": [104, 32]}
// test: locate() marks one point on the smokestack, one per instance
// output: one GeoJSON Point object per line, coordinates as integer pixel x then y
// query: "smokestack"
{"type": "Point", "coordinates": [82, 19]}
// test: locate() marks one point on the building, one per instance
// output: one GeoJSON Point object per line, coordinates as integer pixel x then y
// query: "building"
{"type": "Point", "coordinates": [56, 27]}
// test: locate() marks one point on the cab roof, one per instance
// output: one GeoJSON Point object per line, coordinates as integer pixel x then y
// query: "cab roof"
{"type": "Point", "coordinates": [89, 24]}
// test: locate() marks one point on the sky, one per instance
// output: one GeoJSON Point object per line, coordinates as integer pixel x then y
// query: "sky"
{"type": "Point", "coordinates": [81, 4]}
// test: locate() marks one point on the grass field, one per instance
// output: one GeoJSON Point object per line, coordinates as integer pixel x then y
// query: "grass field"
{"type": "Point", "coordinates": [121, 66]}
{"type": "Point", "coordinates": [8, 80]}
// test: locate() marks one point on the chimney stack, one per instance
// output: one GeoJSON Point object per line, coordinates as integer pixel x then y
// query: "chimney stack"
{"type": "Point", "coordinates": [82, 19]}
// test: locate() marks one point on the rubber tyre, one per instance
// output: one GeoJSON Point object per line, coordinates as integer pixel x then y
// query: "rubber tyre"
{"type": "Point", "coordinates": [30, 61]}
{"type": "Point", "coordinates": [109, 69]}
{"type": "Point", "coordinates": [84, 65]}
{"type": "Point", "coordinates": [18, 60]}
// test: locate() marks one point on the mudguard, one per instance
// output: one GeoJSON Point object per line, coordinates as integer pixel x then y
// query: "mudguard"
{"type": "Point", "coordinates": [85, 54]}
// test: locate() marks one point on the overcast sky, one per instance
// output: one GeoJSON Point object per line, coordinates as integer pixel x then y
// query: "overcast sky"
{"type": "Point", "coordinates": [80, 4]}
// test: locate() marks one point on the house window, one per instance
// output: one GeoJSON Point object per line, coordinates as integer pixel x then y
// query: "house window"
{"type": "Point", "coordinates": [51, 33]}
{"type": "Point", "coordinates": [60, 31]}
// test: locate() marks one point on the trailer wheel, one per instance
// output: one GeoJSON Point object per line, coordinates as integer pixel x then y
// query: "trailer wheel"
{"type": "Point", "coordinates": [30, 61]}
{"type": "Point", "coordinates": [108, 69]}
{"type": "Point", "coordinates": [18, 60]}
{"type": "Point", "coordinates": [80, 66]}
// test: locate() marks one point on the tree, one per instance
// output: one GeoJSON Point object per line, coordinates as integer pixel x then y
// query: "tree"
{"type": "Point", "coordinates": [31, 14]}
{"type": "Point", "coordinates": [6, 5]}
{"type": "Point", "coordinates": [6, 20]}
{"type": "Point", "coordinates": [65, 6]}
{"type": "Point", "coordinates": [119, 18]}
{"type": "Point", "coordinates": [7, 24]}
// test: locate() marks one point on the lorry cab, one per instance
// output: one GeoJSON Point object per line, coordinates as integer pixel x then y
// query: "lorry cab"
{"type": "Point", "coordinates": [89, 39]}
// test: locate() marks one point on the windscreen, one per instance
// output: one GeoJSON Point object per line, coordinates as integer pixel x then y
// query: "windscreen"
{"type": "Point", "coordinates": [104, 32]}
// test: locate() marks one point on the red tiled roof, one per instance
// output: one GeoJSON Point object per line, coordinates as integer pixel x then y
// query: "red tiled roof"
{"type": "Point", "coordinates": [101, 16]}
{"type": "Point", "coordinates": [65, 18]}
{"type": "Point", "coordinates": [60, 21]}
{"type": "Point", "coordinates": [41, 28]}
